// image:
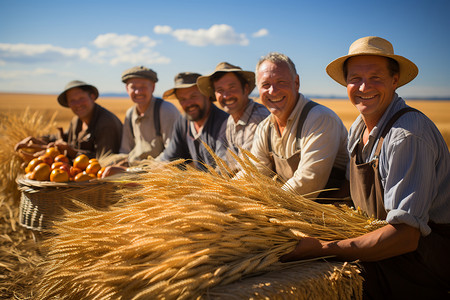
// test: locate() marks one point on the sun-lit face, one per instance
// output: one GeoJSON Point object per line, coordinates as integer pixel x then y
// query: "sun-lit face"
{"type": "Point", "coordinates": [278, 89]}
{"type": "Point", "coordinates": [230, 95]}
{"type": "Point", "coordinates": [370, 86]}
{"type": "Point", "coordinates": [140, 91]}
{"type": "Point", "coordinates": [194, 103]}
{"type": "Point", "coordinates": [81, 103]}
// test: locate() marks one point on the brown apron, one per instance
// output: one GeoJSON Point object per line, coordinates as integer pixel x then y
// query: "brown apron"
{"type": "Point", "coordinates": [286, 167]}
{"type": "Point", "coordinates": [421, 274]}
{"type": "Point", "coordinates": [366, 189]}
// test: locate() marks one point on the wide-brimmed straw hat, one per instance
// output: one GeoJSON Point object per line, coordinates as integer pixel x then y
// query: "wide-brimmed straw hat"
{"type": "Point", "coordinates": [206, 86]}
{"type": "Point", "coordinates": [139, 72]}
{"type": "Point", "coordinates": [372, 45]}
{"type": "Point", "coordinates": [182, 80]}
{"type": "Point", "coordinates": [62, 98]}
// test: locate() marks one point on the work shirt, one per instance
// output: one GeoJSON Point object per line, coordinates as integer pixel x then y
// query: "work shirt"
{"type": "Point", "coordinates": [139, 139]}
{"type": "Point", "coordinates": [240, 134]}
{"type": "Point", "coordinates": [102, 135]}
{"type": "Point", "coordinates": [186, 142]}
{"type": "Point", "coordinates": [414, 166]}
{"type": "Point", "coordinates": [322, 146]}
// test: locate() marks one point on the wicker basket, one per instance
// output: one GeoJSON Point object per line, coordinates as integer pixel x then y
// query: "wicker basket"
{"type": "Point", "coordinates": [43, 202]}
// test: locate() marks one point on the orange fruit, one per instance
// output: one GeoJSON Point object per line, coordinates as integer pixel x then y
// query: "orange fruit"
{"type": "Point", "coordinates": [59, 175]}
{"type": "Point", "coordinates": [93, 168]}
{"type": "Point", "coordinates": [52, 151]}
{"type": "Point", "coordinates": [93, 160]}
{"type": "Point", "coordinates": [56, 165]}
{"type": "Point", "coordinates": [32, 164]}
{"type": "Point", "coordinates": [41, 172]}
{"type": "Point", "coordinates": [47, 159]}
{"type": "Point", "coordinates": [80, 177]}
{"type": "Point", "coordinates": [74, 171]}
{"type": "Point", "coordinates": [62, 158]}
{"type": "Point", "coordinates": [81, 162]}
{"type": "Point", "coordinates": [100, 172]}
{"type": "Point", "coordinates": [66, 167]}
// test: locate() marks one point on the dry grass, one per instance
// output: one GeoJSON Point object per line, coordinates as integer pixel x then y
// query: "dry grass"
{"type": "Point", "coordinates": [175, 238]}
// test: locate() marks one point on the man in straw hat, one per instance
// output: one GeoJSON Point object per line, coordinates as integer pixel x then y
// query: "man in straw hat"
{"type": "Point", "coordinates": [202, 122]}
{"type": "Point", "coordinates": [399, 172]}
{"type": "Point", "coordinates": [231, 86]}
{"type": "Point", "coordinates": [148, 124]}
{"type": "Point", "coordinates": [93, 130]}
{"type": "Point", "coordinates": [302, 141]}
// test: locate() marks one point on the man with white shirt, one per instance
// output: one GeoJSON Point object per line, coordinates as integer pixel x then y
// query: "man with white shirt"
{"type": "Point", "coordinates": [303, 142]}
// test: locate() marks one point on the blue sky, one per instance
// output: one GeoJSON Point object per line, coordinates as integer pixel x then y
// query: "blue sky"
{"type": "Point", "coordinates": [45, 44]}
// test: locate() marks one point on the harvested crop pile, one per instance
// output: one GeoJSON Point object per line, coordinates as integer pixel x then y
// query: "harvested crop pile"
{"type": "Point", "coordinates": [13, 129]}
{"type": "Point", "coordinates": [181, 233]}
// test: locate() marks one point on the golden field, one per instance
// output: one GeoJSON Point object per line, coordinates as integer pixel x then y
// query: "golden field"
{"type": "Point", "coordinates": [437, 111]}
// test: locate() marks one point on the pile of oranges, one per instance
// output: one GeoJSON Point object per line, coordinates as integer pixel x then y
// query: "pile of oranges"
{"type": "Point", "coordinates": [54, 166]}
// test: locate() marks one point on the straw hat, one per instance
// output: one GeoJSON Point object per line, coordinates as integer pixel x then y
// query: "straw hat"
{"type": "Point", "coordinates": [140, 72]}
{"type": "Point", "coordinates": [206, 87]}
{"type": "Point", "coordinates": [62, 99]}
{"type": "Point", "coordinates": [372, 45]}
{"type": "Point", "coordinates": [182, 80]}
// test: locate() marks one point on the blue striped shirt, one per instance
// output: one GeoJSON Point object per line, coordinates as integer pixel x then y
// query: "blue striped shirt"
{"type": "Point", "coordinates": [414, 167]}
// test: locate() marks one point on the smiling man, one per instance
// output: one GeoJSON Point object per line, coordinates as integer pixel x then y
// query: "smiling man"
{"type": "Point", "coordinates": [202, 122]}
{"type": "Point", "coordinates": [399, 172]}
{"type": "Point", "coordinates": [148, 124]}
{"type": "Point", "coordinates": [302, 141]}
{"type": "Point", "coordinates": [93, 130]}
{"type": "Point", "coordinates": [231, 86]}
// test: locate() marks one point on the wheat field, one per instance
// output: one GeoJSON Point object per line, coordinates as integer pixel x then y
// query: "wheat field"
{"type": "Point", "coordinates": [437, 111]}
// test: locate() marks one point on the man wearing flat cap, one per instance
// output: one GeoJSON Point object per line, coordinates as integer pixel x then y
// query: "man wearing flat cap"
{"type": "Point", "coordinates": [303, 142]}
{"type": "Point", "coordinates": [400, 173]}
{"type": "Point", "coordinates": [231, 86]}
{"type": "Point", "coordinates": [203, 122]}
{"type": "Point", "coordinates": [148, 124]}
{"type": "Point", "coordinates": [93, 130]}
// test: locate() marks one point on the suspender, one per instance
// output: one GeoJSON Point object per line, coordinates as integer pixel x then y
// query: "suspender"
{"type": "Point", "coordinates": [388, 127]}
{"type": "Point", "coordinates": [301, 121]}
{"type": "Point", "coordinates": [156, 118]}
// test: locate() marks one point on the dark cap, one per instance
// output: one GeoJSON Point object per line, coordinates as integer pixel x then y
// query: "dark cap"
{"type": "Point", "coordinates": [141, 72]}
{"type": "Point", "coordinates": [182, 80]}
{"type": "Point", "coordinates": [62, 99]}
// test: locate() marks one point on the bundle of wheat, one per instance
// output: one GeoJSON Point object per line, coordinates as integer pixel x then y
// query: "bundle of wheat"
{"type": "Point", "coordinates": [13, 129]}
{"type": "Point", "coordinates": [334, 280]}
{"type": "Point", "coordinates": [181, 233]}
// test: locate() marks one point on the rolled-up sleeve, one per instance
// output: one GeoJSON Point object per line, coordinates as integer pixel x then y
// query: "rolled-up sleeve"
{"type": "Point", "coordinates": [409, 181]}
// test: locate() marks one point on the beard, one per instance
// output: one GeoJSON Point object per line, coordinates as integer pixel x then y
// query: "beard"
{"type": "Point", "coordinates": [197, 116]}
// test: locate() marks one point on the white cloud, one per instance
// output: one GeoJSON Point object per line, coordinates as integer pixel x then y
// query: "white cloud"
{"type": "Point", "coordinates": [113, 40]}
{"type": "Point", "coordinates": [109, 48]}
{"type": "Point", "coordinates": [29, 53]}
{"type": "Point", "coordinates": [215, 35]}
{"type": "Point", "coordinates": [260, 33]}
{"type": "Point", "coordinates": [162, 29]}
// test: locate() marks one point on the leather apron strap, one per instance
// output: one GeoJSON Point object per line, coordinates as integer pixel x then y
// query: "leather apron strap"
{"type": "Point", "coordinates": [366, 189]}
{"type": "Point", "coordinates": [286, 167]}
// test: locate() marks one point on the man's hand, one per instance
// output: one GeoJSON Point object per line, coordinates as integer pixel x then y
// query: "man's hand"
{"type": "Point", "coordinates": [112, 170]}
{"type": "Point", "coordinates": [306, 248]}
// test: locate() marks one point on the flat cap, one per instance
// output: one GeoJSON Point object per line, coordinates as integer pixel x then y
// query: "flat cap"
{"type": "Point", "coordinates": [141, 72]}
